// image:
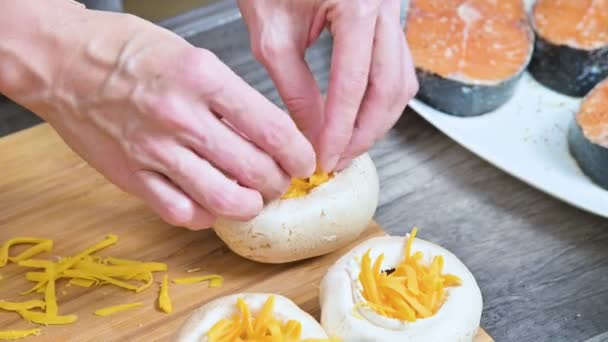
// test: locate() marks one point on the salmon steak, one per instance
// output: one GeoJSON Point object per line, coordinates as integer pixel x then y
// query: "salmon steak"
{"type": "Point", "coordinates": [571, 48]}
{"type": "Point", "coordinates": [469, 54]}
{"type": "Point", "coordinates": [588, 135]}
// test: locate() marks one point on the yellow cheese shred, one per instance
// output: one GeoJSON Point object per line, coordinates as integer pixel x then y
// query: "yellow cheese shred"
{"type": "Point", "coordinates": [410, 291]}
{"type": "Point", "coordinates": [16, 306]}
{"type": "Point", "coordinates": [82, 282]}
{"type": "Point", "coordinates": [148, 278]}
{"type": "Point", "coordinates": [142, 266]}
{"type": "Point", "coordinates": [17, 334]}
{"type": "Point", "coordinates": [110, 310]}
{"type": "Point", "coordinates": [164, 302]}
{"type": "Point", "coordinates": [40, 245]}
{"type": "Point", "coordinates": [43, 318]}
{"type": "Point", "coordinates": [214, 280]}
{"type": "Point", "coordinates": [50, 296]}
{"type": "Point", "coordinates": [86, 270]}
{"type": "Point", "coordinates": [69, 262]}
{"type": "Point", "coordinates": [244, 327]}
{"type": "Point", "coordinates": [301, 187]}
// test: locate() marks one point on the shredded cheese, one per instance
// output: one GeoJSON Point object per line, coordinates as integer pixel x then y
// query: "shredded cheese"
{"type": "Point", "coordinates": [42, 318]}
{"type": "Point", "coordinates": [17, 334]}
{"type": "Point", "coordinates": [246, 328]}
{"type": "Point", "coordinates": [110, 310]}
{"type": "Point", "coordinates": [85, 270]}
{"type": "Point", "coordinates": [82, 282]}
{"type": "Point", "coordinates": [69, 262]}
{"type": "Point", "coordinates": [164, 302]}
{"type": "Point", "coordinates": [410, 292]}
{"type": "Point", "coordinates": [214, 280]}
{"type": "Point", "coordinates": [302, 187]}
{"type": "Point", "coordinates": [50, 296]}
{"type": "Point", "coordinates": [16, 306]}
{"type": "Point", "coordinates": [40, 245]}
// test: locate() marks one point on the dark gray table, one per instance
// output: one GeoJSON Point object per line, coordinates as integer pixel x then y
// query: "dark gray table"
{"type": "Point", "coordinates": [541, 264]}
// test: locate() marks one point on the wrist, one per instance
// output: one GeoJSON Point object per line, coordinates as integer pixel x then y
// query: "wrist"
{"type": "Point", "coordinates": [36, 38]}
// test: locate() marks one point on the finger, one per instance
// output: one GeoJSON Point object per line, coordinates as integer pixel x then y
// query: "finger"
{"type": "Point", "coordinates": [299, 90]}
{"type": "Point", "coordinates": [350, 64]}
{"type": "Point", "coordinates": [237, 157]}
{"type": "Point", "coordinates": [172, 204]}
{"type": "Point", "coordinates": [343, 164]}
{"type": "Point", "coordinates": [389, 88]}
{"type": "Point", "coordinates": [209, 187]}
{"type": "Point", "coordinates": [267, 126]}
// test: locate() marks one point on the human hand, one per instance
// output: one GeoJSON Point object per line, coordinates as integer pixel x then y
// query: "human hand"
{"type": "Point", "coordinates": [160, 118]}
{"type": "Point", "coordinates": [371, 79]}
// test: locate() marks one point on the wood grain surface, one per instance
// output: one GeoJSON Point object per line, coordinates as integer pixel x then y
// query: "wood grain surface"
{"type": "Point", "coordinates": [46, 191]}
{"type": "Point", "coordinates": [542, 265]}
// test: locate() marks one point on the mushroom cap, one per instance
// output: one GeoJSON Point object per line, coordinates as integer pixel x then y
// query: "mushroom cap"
{"type": "Point", "coordinates": [330, 217]}
{"type": "Point", "coordinates": [456, 321]}
{"type": "Point", "coordinates": [204, 318]}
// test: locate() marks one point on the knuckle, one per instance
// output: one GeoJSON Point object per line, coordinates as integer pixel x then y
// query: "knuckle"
{"type": "Point", "coordinates": [282, 185]}
{"type": "Point", "coordinates": [381, 96]}
{"type": "Point", "coordinates": [152, 152]}
{"type": "Point", "coordinates": [276, 136]}
{"type": "Point", "coordinates": [167, 111]}
{"type": "Point", "coordinates": [298, 104]}
{"type": "Point", "coordinates": [223, 203]}
{"type": "Point", "coordinates": [177, 213]}
{"type": "Point", "coordinates": [130, 20]}
{"type": "Point", "coordinates": [351, 88]}
{"type": "Point", "coordinates": [123, 178]}
{"type": "Point", "coordinates": [340, 133]}
{"type": "Point", "coordinates": [142, 148]}
{"type": "Point", "coordinates": [359, 9]}
{"type": "Point", "coordinates": [269, 48]}
{"type": "Point", "coordinates": [253, 173]}
{"type": "Point", "coordinates": [202, 69]}
{"type": "Point", "coordinates": [237, 108]}
{"type": "Point", "coordinates": [173, 163]}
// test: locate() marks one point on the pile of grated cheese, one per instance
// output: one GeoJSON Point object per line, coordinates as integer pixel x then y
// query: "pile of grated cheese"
{"type": "Point", "coordinates": [244, 327]}
{"type": "Point", "coordinates": [301, 187]}
{"type": "Point", "coordinates": [85, 270]}
{"type": "Point", "coordinates": [410, 291]}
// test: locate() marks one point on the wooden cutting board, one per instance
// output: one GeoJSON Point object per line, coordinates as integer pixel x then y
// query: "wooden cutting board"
{"type": "Point", "coordinates": [47, 191]}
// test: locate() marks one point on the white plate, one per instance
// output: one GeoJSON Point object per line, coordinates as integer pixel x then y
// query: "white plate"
{"type": "Point", "coordinates": [527, 138]}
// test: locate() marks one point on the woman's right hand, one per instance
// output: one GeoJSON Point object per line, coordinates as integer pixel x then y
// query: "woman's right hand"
{"type": "Point", "coordinates": [161, 119]}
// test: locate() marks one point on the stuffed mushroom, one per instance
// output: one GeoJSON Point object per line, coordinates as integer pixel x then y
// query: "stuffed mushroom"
{"type": "Point", "coordinates": [251, 317]}
{"type": "Point", "coordinates": [397, 289]}
{"type": "Point", "coordinates": [316, 216]}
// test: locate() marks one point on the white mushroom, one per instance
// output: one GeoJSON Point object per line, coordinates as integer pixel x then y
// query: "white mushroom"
{"type": "Point", "coordinates": [197, 326]}
{"type": "Point", "coordinates": [343, 316]}
{"type": "Point", "coordinates": [331, 216]}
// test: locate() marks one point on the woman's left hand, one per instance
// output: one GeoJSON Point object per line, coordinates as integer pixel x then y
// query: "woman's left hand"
{"type": "Point", "coordinates": [371, 79]}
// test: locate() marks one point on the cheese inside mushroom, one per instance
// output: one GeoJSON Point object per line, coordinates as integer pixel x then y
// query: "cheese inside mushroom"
{"type": "Point", "coordinates": [397, 289]}
{"type": "Point", "coordinates": [315, 217]}
{"type": "Point", "coordinates": [251, 317]}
